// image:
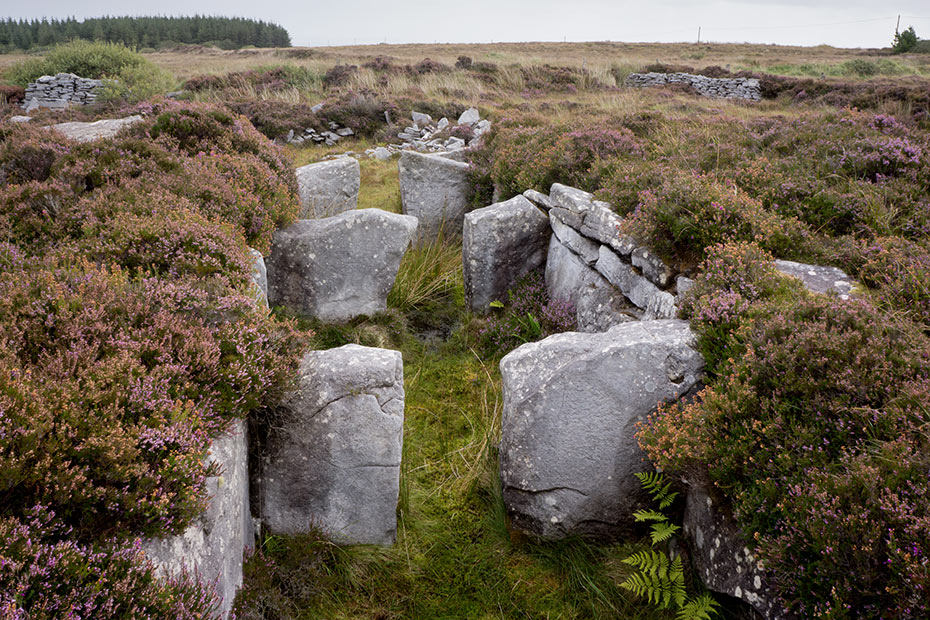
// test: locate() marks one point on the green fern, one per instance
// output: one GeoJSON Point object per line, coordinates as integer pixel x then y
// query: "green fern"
{"type": "Point", "coordinates": [703, 607]}
{"type": "Point", "coordinates": [659, 487]}
{"type": "Point", "coordinates": [649, 515]}
{"type": "Point", "coordinates": [659, 579]}
{"type": "Point", "coordinates": [663, 531]}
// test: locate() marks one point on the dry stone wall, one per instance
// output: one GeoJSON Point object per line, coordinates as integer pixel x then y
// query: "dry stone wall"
{"type": "Point", "coordinates": [717, 88]}
{"type": "Point", "coordinates": [60, 91]}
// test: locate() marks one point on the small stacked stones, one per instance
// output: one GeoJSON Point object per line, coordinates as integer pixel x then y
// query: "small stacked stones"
{"type": "Point", "coordinates": [717, 88]}
{"type": "Point", "coordinates": [60, 91]}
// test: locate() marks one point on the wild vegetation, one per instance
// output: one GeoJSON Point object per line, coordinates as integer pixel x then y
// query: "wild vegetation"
{"type": "Point", "coordinates": [130, 337]}
{"type": "Point", "coordinates": [813, 426]}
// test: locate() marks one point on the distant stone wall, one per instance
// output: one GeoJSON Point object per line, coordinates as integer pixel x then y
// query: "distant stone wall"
{"type": "Point", "coordinates": [60, 91]}
{"type": "Point", "coordinates": [718, 88]}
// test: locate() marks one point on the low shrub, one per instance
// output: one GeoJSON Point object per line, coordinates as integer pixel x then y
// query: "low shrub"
{"type": "Point", "coordinates": [339, 75]}
{"type": "Point", "coordinates": [135, 77]}
{"type": "Point", "coordinates": [689, 213]}
{"type": "Point", "coordinates": [45, 576]}
{"type": "Point", "coordinates": [530, 156]}
{"type": "Point", "coordinates": [817, 433]}
{"type": "Point", "coordinates": [528, 315]}
{"type": "Point", "coordinates": [275, 118]}
{"type": "Point", "coordinates": [363, 112]}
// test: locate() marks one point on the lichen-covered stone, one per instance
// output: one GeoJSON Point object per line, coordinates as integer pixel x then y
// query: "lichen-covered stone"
{"type": "Point", "coordinates": [501, 243]}
{"type": "Point", "coordinates": [339, 267]}
{"type": "Point", "coordinates": [644, 294]}
{"type": "Point", "coordinates": [328, 188]}
{"type": "Point", "coordinates": [568, 453]}
{"type": "Point", "coordinates": [435, 190]}
{"type": "Point", "coordinates": [818, 278]}
{"type": "Point", "coordinates": [332, 456]}
{"type": "Point", "coordinates": [213, 546]}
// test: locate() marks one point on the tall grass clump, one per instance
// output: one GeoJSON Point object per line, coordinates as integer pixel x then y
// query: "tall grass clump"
{"type": "Point", "coordinates": [429, 274]}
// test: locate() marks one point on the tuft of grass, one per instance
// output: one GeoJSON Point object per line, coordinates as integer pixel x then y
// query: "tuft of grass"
{"type": "Point", "coordinates": [429, 275]}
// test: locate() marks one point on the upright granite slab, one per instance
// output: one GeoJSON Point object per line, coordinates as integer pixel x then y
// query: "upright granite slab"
{"type": "Point", "coordinates": [339, 267]}
{"type": "Point", "coordinates": [721, 555]}
{"type": "Point", "coordinates": [328, 188]}
{"type": "Point", "coordinates": [332, 459]}
{"type": "Point", "coordinates": [500, 244]}
{"type": "Point", "coordinates": [571, 405]}
{"type": "Point", "coordinates": [436, 191]}
{"type": "Point", "coordinates": [214, 545]}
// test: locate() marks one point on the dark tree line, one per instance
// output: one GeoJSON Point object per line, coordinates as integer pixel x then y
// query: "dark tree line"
{"type": "Point", "coordinates": [140, 32]}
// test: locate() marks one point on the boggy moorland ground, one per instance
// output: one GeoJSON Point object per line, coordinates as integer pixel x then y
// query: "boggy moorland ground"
{"type": "Point", "coordinates": [814, 423]}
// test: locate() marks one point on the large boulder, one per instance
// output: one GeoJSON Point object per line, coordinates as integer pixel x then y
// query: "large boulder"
{"type": "Point", "coordinates": [97, 130]}
{"type": "Point", "coordinates": [818, 278]}
{"type": "Point", "coordinates": [332, 456]}
{"type": "Point", "coordinates": [501, 243]}
{"type": "Point", "coordinates": [328, 188]}
{"type": "Point", "coordinates": [571, 405]}
{"type": "Point", "coordinates": [436, 191]}
{"type": "Point", "coordinates": [339, 267]}
{"type": "Point", "coordinates": [722, 557]}
{"type": "Point", "coordinates": [598, 304]}
{"type": "Point", "coordinates": [214, 545]}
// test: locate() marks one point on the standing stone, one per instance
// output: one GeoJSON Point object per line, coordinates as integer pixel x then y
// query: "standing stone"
{"type": "Point", "coordinates": [501, 243]}
{"type": "Point", "coordinates": [598, 304]}
{"type": "Point", "coordinates": [259, 277]}
{"type": "Point", "coordinates": [721, 556]}
{"type": "Point", "coordinates": [436, 190]}
{"type": "Point", "coordinates": [332, 459]}
{"type": "Point", "coordinates": [328, 188]}
{"type": "Point", "coordinates": [571, 404]}
{"type": "Point", "coordinates": [213, 546]}
{"type": "Point", "coordinates": [338, 267]}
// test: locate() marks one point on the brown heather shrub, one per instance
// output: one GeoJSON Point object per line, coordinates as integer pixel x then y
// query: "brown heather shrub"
{"type": "Point", "coordinates": [275, 118]}
{"type": "Point", "coordinates": [339, 75]}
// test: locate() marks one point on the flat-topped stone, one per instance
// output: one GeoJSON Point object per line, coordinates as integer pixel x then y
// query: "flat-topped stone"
{"type": "Point", "coordinates": [328, 188]}
{"type": "Point", "coordinates": [339, 267]}
{"type": "Point", "coordinates": [333, 453]}
{"type": "Point", "coordinates": [97, 130]}
{"type": "Point", "coordinates": [436, 190]}
{"type": "Point", "coordinates": [500, 244]}
{"type": "Point", "coordinates": [818, 278]}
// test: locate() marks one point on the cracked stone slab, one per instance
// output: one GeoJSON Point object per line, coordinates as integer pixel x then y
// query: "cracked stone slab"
{"type": "Point", "coordinates": [721, 556]}
{"type": "Point", "coordinates": [586, 249]}
{"type": "Point", "coordinates": [599, 305]}
{"type": "Point", "coordinates": [500, 244]}
{"type": "Point", "coordinates": [332, 457]}
{"type": "Point", "coordinates": [653, 268]}
{"type": "Point", "coordinates": [214, 545]}
{"type": "Point", "coordinates": [571, 405]}
{"type": "Point", "coordinates": [817, 278]}
{"type": "Point", "coordinates": [339, 267]}
{"type": "Point", "coordinates": [328, 188]}
{"type": "Point", "coordinates": [644, 294]}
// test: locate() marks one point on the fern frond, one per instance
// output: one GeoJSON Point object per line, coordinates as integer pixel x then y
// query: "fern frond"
{"type": "Point", "coordinates": [649, 515]}
{"type": "Point", "coordinates": [659, 580]}
{"type": "Point", "coordinates": [668, 500]}
{"type": "Point", "coordinates": [648, 561]}
{"type": "Point", "coordinates": [702, 607]}
{"type": "Point", "coordinates": [663, 531]}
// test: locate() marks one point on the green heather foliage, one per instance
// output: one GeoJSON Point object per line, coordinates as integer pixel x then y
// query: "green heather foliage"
{"type": "Point", "coordinates": [130, 336]}
{"type": "Point", "coordinates": [225, 32]}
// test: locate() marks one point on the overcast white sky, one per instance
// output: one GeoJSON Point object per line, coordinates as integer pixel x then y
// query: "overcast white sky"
{"type": "Point", "coordinates": [842, 23]}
